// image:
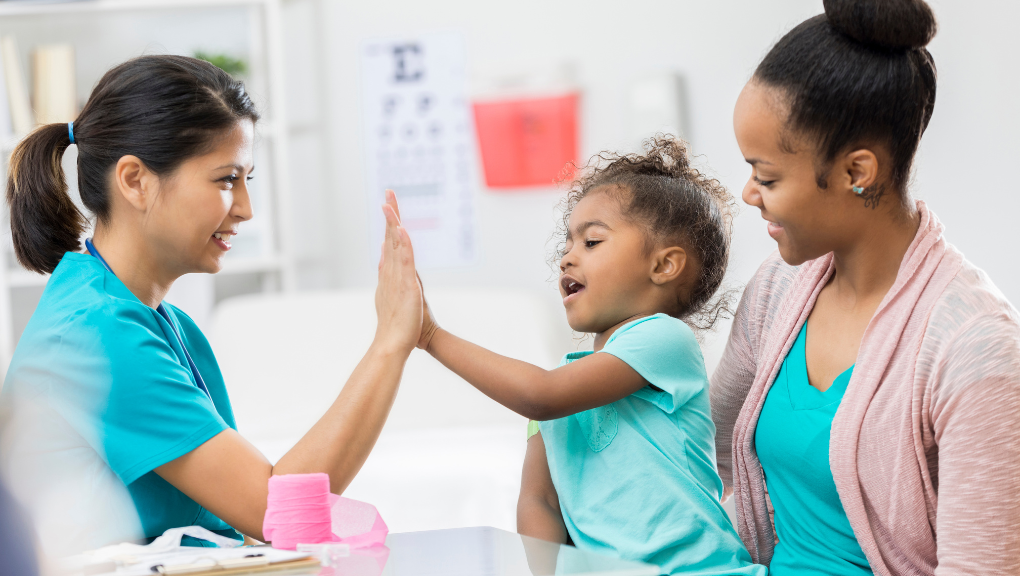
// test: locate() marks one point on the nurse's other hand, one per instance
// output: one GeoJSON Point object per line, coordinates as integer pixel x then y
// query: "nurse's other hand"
{"type": "Point", "coordinates": [398, 297]}
{"type": "Point", "coordinates": [428, 323]}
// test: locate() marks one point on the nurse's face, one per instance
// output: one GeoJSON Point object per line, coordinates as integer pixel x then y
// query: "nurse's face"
{"type": "Point", "coordinates": [201, 205]}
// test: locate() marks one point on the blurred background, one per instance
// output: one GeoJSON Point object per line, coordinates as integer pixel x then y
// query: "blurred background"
{"type": "Point", "coordinates": [469, 110]}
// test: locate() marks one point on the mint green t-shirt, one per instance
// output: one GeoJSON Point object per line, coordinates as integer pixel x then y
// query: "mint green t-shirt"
{"type": "Point", "coordinates": [637, 478]}
{"type": "Point", "coordinates": [116, 398]}
{"type": "Point", "coordinates": [792, 441]}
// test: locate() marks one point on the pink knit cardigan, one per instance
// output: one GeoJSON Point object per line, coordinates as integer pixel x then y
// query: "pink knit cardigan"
{"type": "Point", "coordinates": [925, 446]}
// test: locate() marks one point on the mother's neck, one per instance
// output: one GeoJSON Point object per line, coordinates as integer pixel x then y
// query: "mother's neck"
{"type": "Point", "coordinates": [867, 266]}
{"type": "Point", "coordinates": [134, 263]}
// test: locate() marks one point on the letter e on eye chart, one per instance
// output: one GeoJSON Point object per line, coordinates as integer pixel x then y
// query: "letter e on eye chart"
{"type": "Point", "coordinates": [419, 141]}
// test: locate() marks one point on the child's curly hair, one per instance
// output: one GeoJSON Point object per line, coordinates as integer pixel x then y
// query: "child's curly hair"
{"type": "Point", "coordinates": [680, 205]}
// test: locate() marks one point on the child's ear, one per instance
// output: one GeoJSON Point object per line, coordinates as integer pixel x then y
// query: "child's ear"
{"type": "Point", "coordinates": [668, 264]}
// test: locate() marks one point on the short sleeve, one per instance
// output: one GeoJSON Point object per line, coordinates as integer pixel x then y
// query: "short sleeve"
{"type": "Point", "coordinates": [533, 428]}
{"type": "Point", "coordinates": [120, 383]}
{"type": "Point", "coordinates": [665, 352]}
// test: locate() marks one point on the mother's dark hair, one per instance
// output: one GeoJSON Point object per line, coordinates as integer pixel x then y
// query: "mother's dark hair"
{"type": "Point", "coordinates": [858, 75]}
{"type": "Point", "coordinates": [161, 109]}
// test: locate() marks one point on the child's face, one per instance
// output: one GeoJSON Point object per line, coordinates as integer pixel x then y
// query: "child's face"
{"type": "Point", "coordinates": [604, 275]}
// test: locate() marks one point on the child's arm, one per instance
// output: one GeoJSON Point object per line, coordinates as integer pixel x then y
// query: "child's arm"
{"type": "Point", "coordinates": [530, 391]}
{"type": "Point", "coordinates": [538, 507]}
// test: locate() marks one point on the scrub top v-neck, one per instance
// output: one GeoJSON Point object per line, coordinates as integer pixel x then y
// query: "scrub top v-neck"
{"type": "Point", "coordinates": [792, 441]}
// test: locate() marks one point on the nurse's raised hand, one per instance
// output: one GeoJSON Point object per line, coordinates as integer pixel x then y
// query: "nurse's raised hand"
{"type": "Point", "coordinates": [398, 297]}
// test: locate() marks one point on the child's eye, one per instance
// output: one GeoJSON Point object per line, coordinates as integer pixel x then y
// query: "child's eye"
{"type": "Point", "coordinates": [765, 183]}
{"type": "Point", "coordinates": [591, 243]}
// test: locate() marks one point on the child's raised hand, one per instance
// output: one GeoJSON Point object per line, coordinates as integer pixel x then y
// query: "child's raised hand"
{"type": "Point", "coordinates": [398, 297]}
{"type": "Point", "coordinates": [428, 322]}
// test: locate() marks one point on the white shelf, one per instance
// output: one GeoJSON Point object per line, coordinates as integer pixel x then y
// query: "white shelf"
{"type": "Point", "coordinates": [266, 129]}
{"type": "Point", "coordinates": [21, 278]}
{"type": "Point", "coordinates": [25, 8]}
{"type": "Point", "coordinates": [277, 266]}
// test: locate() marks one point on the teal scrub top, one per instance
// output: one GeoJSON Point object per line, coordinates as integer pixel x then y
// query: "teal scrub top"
{"type": "Point", "coordinates": [637, 478]}
{"type": "Point", "coordinates": [792, 440]}
{"type": "Point", "coordinates": [114, 372]}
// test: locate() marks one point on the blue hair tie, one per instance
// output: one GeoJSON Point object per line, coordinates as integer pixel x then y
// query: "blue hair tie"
{"type": "Point", "coordinates": [70, 131]}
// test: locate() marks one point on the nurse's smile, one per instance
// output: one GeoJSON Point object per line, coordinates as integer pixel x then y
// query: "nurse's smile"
{"type": "Point", "coordinates": [222, 239]}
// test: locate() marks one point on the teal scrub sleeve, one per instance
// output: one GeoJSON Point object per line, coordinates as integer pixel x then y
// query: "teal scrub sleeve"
{"type": "Point", "coordinates": [665, 352]}
{"type": "Point", "coordinates": [127, 391]}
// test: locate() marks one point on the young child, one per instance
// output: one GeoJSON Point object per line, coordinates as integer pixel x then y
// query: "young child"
{"type": "Point", "coordinates": [623, 461]}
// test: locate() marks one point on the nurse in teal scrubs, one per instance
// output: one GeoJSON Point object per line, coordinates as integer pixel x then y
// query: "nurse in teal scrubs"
{"type": "Point", "coordinates": [115, 422]}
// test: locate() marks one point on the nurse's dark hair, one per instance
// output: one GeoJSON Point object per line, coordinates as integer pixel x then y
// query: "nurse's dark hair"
{"type": "Point", "coordinates": [161, 109]}
{"type": "Point", "coordinates": [677, 205]}
{"type": "Point", "coordinates": [858, 75]}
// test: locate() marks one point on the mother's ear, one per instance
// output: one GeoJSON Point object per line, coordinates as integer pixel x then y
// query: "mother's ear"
{"type": "Point", "coordinates": [668, 264]}
{"type": "Point", "coordinates": [135, 182]}
{"type": "Point", "coordinates": [860, 169]}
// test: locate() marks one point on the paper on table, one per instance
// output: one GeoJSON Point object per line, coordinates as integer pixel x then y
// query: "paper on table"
{"type": "Point", "coordinates": [128, 559]}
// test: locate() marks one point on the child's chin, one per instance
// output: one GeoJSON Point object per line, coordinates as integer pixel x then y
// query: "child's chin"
{"type": "Point", "coordinates": [579, 324]}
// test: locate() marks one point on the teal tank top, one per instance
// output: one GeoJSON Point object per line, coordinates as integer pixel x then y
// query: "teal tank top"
{"type": "Point", "coordinates": [792, 441]}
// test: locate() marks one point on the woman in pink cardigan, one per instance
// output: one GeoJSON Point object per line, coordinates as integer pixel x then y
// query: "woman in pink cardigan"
{"type": "Point", "coordinates": [868, 403]}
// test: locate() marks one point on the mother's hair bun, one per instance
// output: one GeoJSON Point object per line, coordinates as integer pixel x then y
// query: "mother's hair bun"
{"type": "Point", "coordinates": [892, 24]}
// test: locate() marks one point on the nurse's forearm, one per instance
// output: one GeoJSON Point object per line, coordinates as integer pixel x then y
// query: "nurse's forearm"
{"type": "Point", "coordinates": [230, 477]}
{"type": "Point", "coordinates": [339, 443]}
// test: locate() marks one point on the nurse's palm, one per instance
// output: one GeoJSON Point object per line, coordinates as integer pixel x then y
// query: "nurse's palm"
{"type": "Point", "coordinates": [398, 297]}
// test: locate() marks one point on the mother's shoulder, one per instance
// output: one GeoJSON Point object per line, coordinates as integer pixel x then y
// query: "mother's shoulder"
{"type": "Point", "coordinates": [771, 282]}
{"type": "Point", "coordinates": [970, 299]}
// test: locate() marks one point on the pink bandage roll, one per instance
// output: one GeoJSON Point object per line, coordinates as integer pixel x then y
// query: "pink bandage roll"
{"type": "Point", "coordinates": [298, 511]}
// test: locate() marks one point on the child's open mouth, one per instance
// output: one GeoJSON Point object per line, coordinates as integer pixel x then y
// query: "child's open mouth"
{"type": "Point", "coordinates": [570, 287]}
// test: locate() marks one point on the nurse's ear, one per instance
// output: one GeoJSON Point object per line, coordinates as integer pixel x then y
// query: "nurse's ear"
{"type": "Point", "coordinates": [135, 182]}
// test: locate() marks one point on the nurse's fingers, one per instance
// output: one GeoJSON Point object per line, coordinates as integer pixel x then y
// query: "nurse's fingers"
{"type": "Point", "coordinates": [398, 243]}
{"type": "Point", "coordinates": [391, 199]}
{"type": "Point", "coordinates": [398, 294]}
{"type": "Point", "coordinates": [392, 225]}
{"type": "Point", "coordinates": [391, 237]}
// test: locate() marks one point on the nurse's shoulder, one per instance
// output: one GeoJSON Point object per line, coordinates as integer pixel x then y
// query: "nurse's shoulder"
{"type": "Point", "coordinates": [87, 321]}
{"type": "Point", "coordinates": [82, 293]}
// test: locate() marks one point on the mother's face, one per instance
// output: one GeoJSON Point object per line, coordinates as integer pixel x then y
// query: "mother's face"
{"type": "Point", "coordinates": [805, 220]}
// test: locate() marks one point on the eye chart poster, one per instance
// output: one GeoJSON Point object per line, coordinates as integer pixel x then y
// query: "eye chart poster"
{"type": "Point", "coordinates": [419, 142]}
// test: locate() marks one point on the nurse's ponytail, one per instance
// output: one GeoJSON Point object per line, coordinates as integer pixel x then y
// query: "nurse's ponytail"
{"type": "Point", "coordinates": [161, 109]}
{"type": "Point", "coordinates": [45, 223]}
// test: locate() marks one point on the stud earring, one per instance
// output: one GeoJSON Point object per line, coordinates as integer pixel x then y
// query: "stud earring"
{"type": "Point", "coordinates": [858, 190]}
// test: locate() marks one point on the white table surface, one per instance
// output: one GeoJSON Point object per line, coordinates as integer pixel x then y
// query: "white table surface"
{"type": "Point", "coordinates": [481, 551]}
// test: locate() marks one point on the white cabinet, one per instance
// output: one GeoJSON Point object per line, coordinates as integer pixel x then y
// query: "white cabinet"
{"type": "Point", "coordinates": [107, 32]}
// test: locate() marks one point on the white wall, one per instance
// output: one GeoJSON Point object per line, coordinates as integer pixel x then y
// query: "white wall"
{"type": "Point", "coordinates": [963, 170]}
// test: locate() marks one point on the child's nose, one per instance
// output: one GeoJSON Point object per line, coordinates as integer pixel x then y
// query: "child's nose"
{"type": "Point", "coordinates": [567, 261]}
